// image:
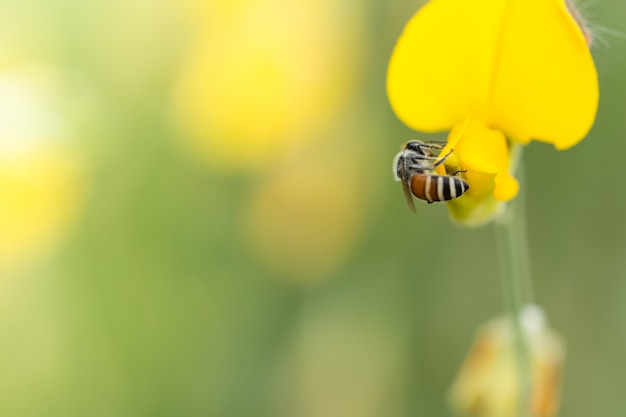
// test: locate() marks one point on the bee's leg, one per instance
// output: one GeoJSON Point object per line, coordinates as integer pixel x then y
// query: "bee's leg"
{"type": "Point", "coordinates": [436, 144]}
{"type": "Point", "coordinates": [418, 165]}
{"type": "Point", "coordinates": [432, 145]}
{"type": "Point", "coordinates": [424, 157]}
{"type": "Point", "coordinates": [441, 160]}
{"type": "Point", "coordinates": [460, 171]}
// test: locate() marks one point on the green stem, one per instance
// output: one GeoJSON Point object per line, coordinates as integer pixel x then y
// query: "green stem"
{"type": "Point", "coordinates": [516, 285]}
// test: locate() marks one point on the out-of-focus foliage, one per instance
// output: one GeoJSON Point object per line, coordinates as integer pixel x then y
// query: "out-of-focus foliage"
{"type": "Point", "coordinates": [198, 218]}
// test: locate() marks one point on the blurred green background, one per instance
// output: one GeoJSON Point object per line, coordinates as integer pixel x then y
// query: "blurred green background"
{"type": "Point", "coordinates": [198, 218]}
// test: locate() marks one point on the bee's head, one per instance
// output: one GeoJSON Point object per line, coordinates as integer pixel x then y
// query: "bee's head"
{"type": "Point", "coordinates": [415, 146]}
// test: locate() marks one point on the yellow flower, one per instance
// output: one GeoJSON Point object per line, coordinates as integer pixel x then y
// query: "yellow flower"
{"type": "Point", "coordinates": [495, 73]}
{"type": "Point", "coordinates": [488, 383]}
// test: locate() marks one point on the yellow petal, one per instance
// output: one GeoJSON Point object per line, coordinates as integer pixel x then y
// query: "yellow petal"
{"type": "Point", "coordinates": [440, 70]}
{"type": "Point", "coordinates": [481, 148]}
{"type": "Point", "coordinates": [521, 66]}
{"type": "Point", "coordinates": [506, 187]}
{"type": "Point", "coordinates": [546, 85]}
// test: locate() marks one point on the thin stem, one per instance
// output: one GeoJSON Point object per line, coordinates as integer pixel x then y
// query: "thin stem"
{"type": "Point", "coordinates": [520, 236]}
{"type": "Point", "coordinates": [516, 285]}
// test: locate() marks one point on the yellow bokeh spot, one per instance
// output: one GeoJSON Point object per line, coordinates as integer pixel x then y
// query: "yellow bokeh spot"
{"type": "Point", "coordinates": [303, 219]}
{"type": "Point", "coordinates": [521, 66]}
{"type": "Point", "coordinates": [39, 195]}
{"type": "Point", "coordinates": [302, 223]}
{"type": "Point", "coordinates": [41, 177]}
{"type": "Point", "coordinates": [258, 77]}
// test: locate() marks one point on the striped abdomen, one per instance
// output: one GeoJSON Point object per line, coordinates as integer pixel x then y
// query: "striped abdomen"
{"type": "Point", "coordinates": [437, 187]}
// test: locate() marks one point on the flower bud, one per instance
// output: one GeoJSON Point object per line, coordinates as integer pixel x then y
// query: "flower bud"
{"type": "Point", "coordinates": [488, 384]}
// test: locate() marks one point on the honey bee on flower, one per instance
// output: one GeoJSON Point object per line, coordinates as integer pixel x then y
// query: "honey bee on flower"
{"type": "Point", "coordinates": [414, 166]}
{"type": "Point", "coordinates": [521, 86]}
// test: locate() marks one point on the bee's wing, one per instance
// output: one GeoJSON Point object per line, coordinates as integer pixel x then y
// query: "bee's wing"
{"type": "Point", "coordinates": [408, 195]}
{"type": "Point", "coordinates": [401, 175]}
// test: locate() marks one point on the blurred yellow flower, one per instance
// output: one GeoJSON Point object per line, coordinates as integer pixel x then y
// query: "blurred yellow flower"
{"type": "Point", "coordinates": [265, 86]}
{"type": "Point", "coordinates": [40, 179]}
{"type": "Point", "coordinates": [496, 73]}
{"type": "Point", "coordinates": [260, 74]}
{"type": "Point", "coordinates": [488, 383]}
{"type": "Point", "coordinates": [304, 219]}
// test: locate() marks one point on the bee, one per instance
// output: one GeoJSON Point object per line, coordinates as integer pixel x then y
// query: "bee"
{"type": "Point", "coordinates": [414, 166]}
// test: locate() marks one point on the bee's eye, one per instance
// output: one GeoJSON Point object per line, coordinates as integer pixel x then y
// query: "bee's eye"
{"type": "Point", "coordinates": [413, 146]}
